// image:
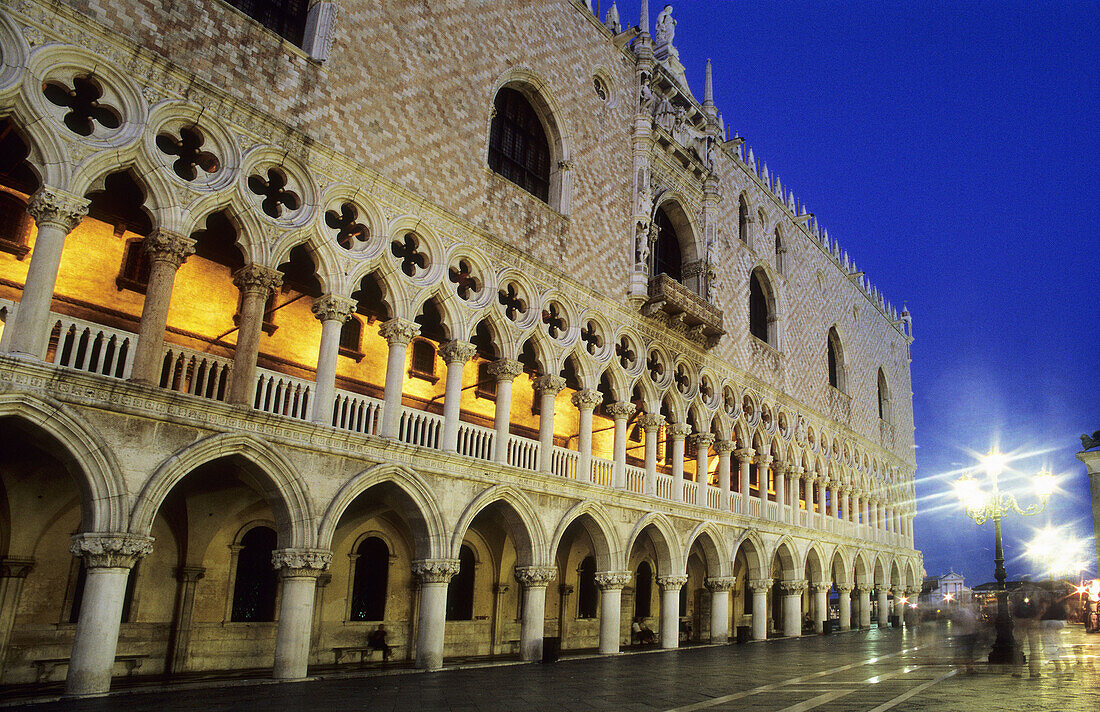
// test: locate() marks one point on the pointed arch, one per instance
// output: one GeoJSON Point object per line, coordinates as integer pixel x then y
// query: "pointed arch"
{"type": "Point", "coordinates": [815, 564]}
{"type": "Point", "coordinates": [885, 407]}
{"type": "Point", "coordinates": [523, 522]}
{"type": "Point", "coordinates": [764, 306]}
{"type": "Point", "coordinates": [713, 546]}
{"type": "Point", "coordinates": [789, 558]}
{"type": "Point", "coordinates": [667, 544]}
{"type": "Point", "coordinates": [842, 566]}
{"type": "Point", "coordinates": [593, 517]}
{"type": "Point", "coordinates": [835, 362]}
{"type": "Point", "coordinates": [754, 550]}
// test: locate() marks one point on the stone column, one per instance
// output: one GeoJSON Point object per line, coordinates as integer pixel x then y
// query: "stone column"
{"type": "Point", "coordinates": [792, 607]}
{"type": "Point", "coordinates": [504, 371]}
{"type": "Point", "coordinates": [108, 558]}
{"type": "Point", "coordinates": [179, 647]}
{"type": "Point", "coordinates": [864, 590]}
{"type": "Point", "coordinates": [534, 580]}
{"type": "Point", "coordinates": [455, 354]}
{"type": "Point", "coordinates": [822, 485]}
{"type": "Point", "coordinates": [620, 413]}
{"type": "Point", "coordinates": [844, 598]}
{"type": "Point", "coordinates": [547, 387]}
{"type": "Point", "coordinates": [724, 448]}
{"type": "Point", "coordinates": [433, 575]}
{"type": "Point", "coordinates": [821, 605]}
{"type": "Point", "coordinates": [883, 606]}
{"type": "Point", "coordinates": [298, 570]}
{"type": "Point", "coordinates": [797, 475]}
{"type": "Point", "coordinates": [13, 571]}
{"type": "Point", "coordinates": [899, 605]}
{"type": "Point", "coordinates": [780, 469]}
{"type": "Point", "coordinates": [676, 433]}
{"type": "Point", "coordinates": [56, 213]}
{"type": "Point", "coordinates": [762, 463]}
{"type": "Point", "coordinates": [720, 588]}
{"type": "Point", "coordinates": [398, 334]}
{"type": "Point", "coordinates": [167, 251]}
{"type": "Point", "coordinates": [651, 423]}
{"type": "Point", "coordinates": [703, 441]}
{"type": "Point", "coordinates": [611, 585]}
{"type": "Point", "coordinates": [670, 608]}
{"type": "Point", "coordinates": [332, 311]}
{"type": "Point", "coordinates": [760, 588]}
{"type": "Point", "coordinates": [585, 401]}
{"type": "Point", "coordinates": [744, 461]}
{"type": "Point", "coordinates": [256, 283]}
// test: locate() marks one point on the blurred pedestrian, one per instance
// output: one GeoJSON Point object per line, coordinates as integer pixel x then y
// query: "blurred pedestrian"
{"type": "Point", "coordinates": [1027, 609]}
{"type": "Point", "coordinates": [964, 630]}
{"type": "Point", "coordinates": [1052, 621]}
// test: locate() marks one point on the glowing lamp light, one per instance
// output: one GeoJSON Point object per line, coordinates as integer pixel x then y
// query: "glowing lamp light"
{"type": "Point", "coordinates": [994, 463]}
{"type": "Point", "coordinates": [1045, 483]}
{"type": "Point", "coordinates": [970, 492]}
{"type": "Point", "coordinates": [948, 597]}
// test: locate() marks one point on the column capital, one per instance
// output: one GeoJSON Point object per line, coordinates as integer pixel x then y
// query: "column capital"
{"type": "Point", "coordinates": [651, 421]}
{"type": "Point", "coordinates": [258, 279]}
{"type": "Point", "coordinates": [536, 576]}
{"type": "Point", "coordinates": [587, 399]}
{"type": "Point", "coordinates": [399, 332]}
{"type": "Point", "coordinates": [703, 440]}
{"type": "Point", "coordinates": [844, 588]}
{"type": "Point", "coordinates": [166, 246]}
{"type": "Point", "coordinates": [456, 351]}
{"type": "Point", "coordinates": [720, 583]}
{"type": "Point", "coordinates": [760, 585]}
{"type": "Point", "coordinates": [301, 563]}
{"type": "Point", "coordinates": [190, 574]}
{"type": "Point", "coordinates": [505, 369]}
{"type": "Point", "coordinates": [15, 567]}
{"type": "Point", "coordinates": [678, 431]}
{"type": "Point", "coordinates": [780, 467]}
{"type": "Point", "coordinates": [763, 460]}
{"type": "Point", "coordinates": [333, 307]}
{"type": "Point", "coordinates": [108, 550]}
{"type": "Point", "coordinates": [435, 570]}
{"type": "Point", "coordinates": [672, 582]}
{"type": "Point", "coordinates": [822, 587]}
{"type": "Point", "coordinates": [621, 410]}
{"type": "Point", "coordinates": [721, 446]}
{"type": "Point", "coordinates": [791, 588]}
{"type": "Point", "coordinates": [865, 587]}
{"type": "Point", "coordinates": [549, 383]}
{"type": "Point", "coordinates": [53, 206]}
{"type": "Point", "coordinates": [744, 454]}
{"type": "Point", "coordinates": [610, 580]}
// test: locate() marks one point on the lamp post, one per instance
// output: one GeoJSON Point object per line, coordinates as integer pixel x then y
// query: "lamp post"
{"type": "Point", "coordinates": [982, 505]}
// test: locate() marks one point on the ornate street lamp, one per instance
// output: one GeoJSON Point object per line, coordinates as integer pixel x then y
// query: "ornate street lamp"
{"type": "Point", "coordinates": [983, 501]}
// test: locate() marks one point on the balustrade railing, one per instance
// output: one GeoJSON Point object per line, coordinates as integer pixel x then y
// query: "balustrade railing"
{"type": "Point", "coordinates": [279, 394]}
{"type": "Point", "coordinates": [635, 479]}
{"type": "Point", "coordinates": [737, 503]}
{"type": "Point", "coordinates": [755, 507]}
{"type": "Point", "coordinates": [691, 492]}
{"type": "Point", "coordinates": [92, 348]}
{"type": "Point", "coordinates": [664, 486]}
{"type": "Point", "coordinates": [418, 427]}
{"type": "Point", "coordinates": [714, 497]}
{"type": "Point", "coordinates": [194, 373]}
{"type": "Point", "coordinates": [563, 463]}
{"type": "Point", "coordinates": [522, 452]}
{"type": "Point", "coordinates": [355, 412]}
{"type": "Point", "coordinates": [603, 471]}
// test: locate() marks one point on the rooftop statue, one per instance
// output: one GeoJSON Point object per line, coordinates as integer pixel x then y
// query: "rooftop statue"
{"type": "Point", "coordinates": [1087, 443]}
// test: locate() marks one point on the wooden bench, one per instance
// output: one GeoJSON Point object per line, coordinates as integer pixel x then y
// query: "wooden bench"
{"type": "Point", "coordinates": [364, 652]}
{"type": "Point", "coordinates": [44, 667]}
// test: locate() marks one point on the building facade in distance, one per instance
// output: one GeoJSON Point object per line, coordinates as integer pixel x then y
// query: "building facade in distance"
{"type": "Point", "coordinates": [465, 318]}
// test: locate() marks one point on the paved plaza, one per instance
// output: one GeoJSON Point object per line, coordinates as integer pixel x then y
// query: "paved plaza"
{"type": "Point", "coordinates": [874, 671]}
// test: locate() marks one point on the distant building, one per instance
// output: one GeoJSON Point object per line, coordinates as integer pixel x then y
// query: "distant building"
{"type": "Point", "coordinates": [935, 589]}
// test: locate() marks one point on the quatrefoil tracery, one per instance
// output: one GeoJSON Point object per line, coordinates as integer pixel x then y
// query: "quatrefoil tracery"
{"type": "Point", "coordinates": [467, 285]}
{"type": "Point", "coordinates": [555, 322]}
{"type": "Point", "coordinates": [625, 352]}
{"type": "Point", "coordinates": [514, 305]}
{"type": "Point", "coordinates": [655, 367]}
{"type": "Point", "coordinates": [590, 335]}
{"type": "Point", "coordinates": [187, 149]}
{"type": "Point", "coordinates": [350, 233]}
{"type": "Point", "coordinates": [83, 102]}
{"type": "Point", "coordinates": [408, 252]}
{"type": "Point", "coordinates": [275, 193]}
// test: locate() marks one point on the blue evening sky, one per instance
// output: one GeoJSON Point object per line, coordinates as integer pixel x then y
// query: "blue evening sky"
{"type": "Point", "coordinates": [952, 148]}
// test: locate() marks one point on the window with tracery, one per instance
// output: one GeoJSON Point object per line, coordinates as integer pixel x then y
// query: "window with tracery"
{"type": "Point", "coordinates": [286, 18]}
{"type": "Point", "coordinates": [518, 147]}
{"type": "Point", "coordinates": [667, 258]}
{"type": "Point", "coordinates": [759, 313]}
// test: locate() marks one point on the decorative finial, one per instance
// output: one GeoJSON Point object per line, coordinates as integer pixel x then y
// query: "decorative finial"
{"type": "Point", "coordinates": [643, 25]}
{"type": "Point", "coordinates": [708, 88]}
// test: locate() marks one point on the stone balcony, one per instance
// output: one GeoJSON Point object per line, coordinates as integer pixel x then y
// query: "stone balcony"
{"type": "Point", "coordinates": [683, 310]}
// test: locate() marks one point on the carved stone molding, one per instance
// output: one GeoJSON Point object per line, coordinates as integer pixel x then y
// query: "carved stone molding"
{"type": "Point", "coordinates": [53, 206]}
{"type": "Point", "coordinates": [536, 576]}
{"type": "Point", "coordinates": [744, 455]}
{"type": "Point", "coordinates": [109, 550]}
{"type": "Point", "coordinates": [293, 563]}
{"type": "Point", "coordinates": [190, 574]}
{"type": "Point", "coordinates": [257, 279]}
{"type": "Point", "coordinates": [435, 570]}
{"type": "Point", "coordinates": [820, 587]}
{"type": "Point", "coordinates": [703, 440]}
{"type": "Point", "coordinates": [760, 585]}
{"type": "Point", "coordinates": [166, 246]}
{"type": "Point", "coordinates": [763, 460]}
{"type": "Point", "coordinates": [672, 582]}
{"type": "Point", "coordinates": [792, 588]}
{"type": "Point", "coordinates": [678, 431]}
{"type": "Point", "coordinates": [865, 587]}
{"type": "Point", "coordinates": [15, 567]}
{"type": "Point", "coordinates": [332, 307]}
{"type": "Point", "coordinates": [651, 421]}
{"type": "Point", "coordinates": [721, 446]}
{"type": "Point", "coordinates": [620, 411]}
{"type": "Point", "coordinates": [587, 399]}
{"type": "Point", "coordinates": [505, 369]}
{"type": "Point", "coordinates": [843, 588]}
{"type": "Point", "coordinates": [610, 580]}
{"type": "Point", "coordinates": [720, 583]}
{"type": "Point", "coordinates": [549, 383]}
{"type": "Point", "coordinates": [456, 351]}
{"type": "Point", "coordinates": [399, 332]}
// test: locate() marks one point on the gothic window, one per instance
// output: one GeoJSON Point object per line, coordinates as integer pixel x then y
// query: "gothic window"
{"type": "Point", "coordinates": [761, 311]}
{"type": "Point", "coordinates": [587, 594]}
{"type": "Point", "coordinates": [518, 148]}
{"type": "Point", "coordinates": [743, 220]}
{"type": "Point", "coordinates": [643, 590]}
{"type": "Point", "coordinates": [372, 568]}
{"type": "Point", "coordinates": [255, 582]}
{"type": "Point", "coordinates": [422, 361]}
{"type": "Point", "coordinates": [754, 478]}
{"type": "Point", "coordinates": [460, 592]}
{"type": "Point", "coordinates": [13, 225]}
{"type": "Point", "coordinates": [351, 338]}
{"type": "Point", "coordinates": [836, 360]}
{"type": "Point", "coordinates": [134, 274]}
{"type": "Point", "coordinates": [780, 251]}
{"type": "Point", "coordinates": [286, 18]}
{"type": "Point", "coordinates": [486, 383]}
{"type": "Point", "coordinates": [666, 255]}
{"type": "Point", "coordinates": [883, 397]}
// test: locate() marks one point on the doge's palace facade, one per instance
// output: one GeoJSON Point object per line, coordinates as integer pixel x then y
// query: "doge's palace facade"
{"type": "Point", "coordinates": [360, 314]}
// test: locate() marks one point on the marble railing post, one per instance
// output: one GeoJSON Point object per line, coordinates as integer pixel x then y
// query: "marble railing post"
{"type": "Point", "coordinates": [724, 448]}
{"type": "Point", "coordinates": [744, 462]}
{"type": "Point", "coordinates": [621, 413]}
{"type": "Point", "coordinates": [534, 580]}
{"type": "Point", "coordinates": [611, 585]}
{"type": "Point", "coordinates": [332, 311]}
{"type": "Point", "coordinates": [651, 423]}
{"type": "Point", "coordinates": [179, 647]}
{"type": "Point", "coordinates": [844, 598]}
{"type": "Point", "coordinates": [864, 593]}
{"type": "Point", "coordinates": [703, 441]}
{"type": "Point", "coordinates": [760, 588]}
{"type": "Point", "coordinates": [821, 605]}
{"type": "Point", "coordinates": [792, 607]}
{"type": "Point", "coordinates": [298, 570]}
{"type": "Point", "coordinates": [455, 354]}
{"type": "Point", "coordinates": [676, 433]}
{"type": "Point", "coordinates": [398, 334]}
{"type": "Point", "coordinates": [108, 558]}
{"type": "Point", "coordinates": [720, 587]}
{"type": "Point", "coordinates": [547, 388]}
{"type": "Point", "coordinates": [13, 571]}
{"type": "Point", "coordinates": [883, 605]}
{"type": "Point", "coordinates": [56, 213]}
{"type": "Point", "coordinates": [504, 371]}
{"type": "Point", "coordinates": [256, 283]}
{"type": "Point", "coordinates": [433, 575]}
{"type": "Point", "coordinates": [167, 251]}
{"type": "Point", "coordinates": [670, 607]}
{"type": "Point", "coordinates": [585, 402]}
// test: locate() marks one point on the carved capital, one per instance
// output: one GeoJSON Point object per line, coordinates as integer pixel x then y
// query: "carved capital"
{"type": "Point", "coordinates": [844, 588]}
{"type": "Point", "coordinates": [549, 384]}
{"type": "Point", "coordinates": [763, 460]}
{"type": "Point", "coordinates": [760, 585]}
{"type": "Point", "coordinates": [15, 567]}
{"type": "Point", "coordinates": [865, 587]}
{"type": "Point", "coordinates": [456, 351]}
{"type": "Point", "coordinates": [721, 446]}
{"type": "Point", "coordinates": [703, 441]}
{"type": "Point", "coordinates": [678, 431]}
{"type": "Point", "coordinates": [791, 588]}
{"type": "Point", "coordinates": [744, 455]}
{"type": "Point", "coordinates": [720, 583]}
{"type": "Point", "coordinates": [505, 369]}
{"type": "Point", "coordinates": [332, 307]}
{"type": "Point", "coordinates": [536, 576]}
{"type": "Point", "coordinates": [52, 206]}
{"type": "Point", "coordinates": [435, 570]}
{"type": "Point", "coordinates": [620, 411]}
{"type": "Point", "coordinates": [109, 550]}
{"type": "Point", "coordinates": [300, 563]}
{"type": "Point", "coordinates": [166, 246]}
{"type": "Point", "coordinates": [672, 582]}
{"type": "Point", "coordinates": [651, 421]}
{"type": "Point", "coordinates": [609, 580]}
{"type": "Point", "coordinates": [587, 399]}
{"type": "Point", "coordinates": [821, 587]}
{"type": "Point", "coordinates": [190, 574]}
{"type": "Point", "coordinates": [399, 332]}
{"type": "Point", "coordinates": [257, 279]}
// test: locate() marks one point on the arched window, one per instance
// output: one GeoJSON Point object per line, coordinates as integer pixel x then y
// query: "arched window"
{"type": "Point", "coordinates": [286, 18]}
{"type": "Point", "coordinates": [587, 594]}
{"type": "Point", "coordinates": [666, 254]}
{"type": "Point", "coordinates": [743, 220]}
{"type": "Point", "coordinates": [643, 590]}
{"type": "Point", "coordinates": [518, 148]}
{"type": "Point", "coordinates": [780, 251]}
{"type": "Point", "coordinates": [460, 593]}
{"type": "Point", "coordinates": [837, 375]}
{"type": "Point", "coordinates": [422, 363]}
{"type": "Point", "coordinates": [351, 338]}
{"type": "Point", "coordinates": [760, 309]}
{"type": "Point", "coordinates": [372, 570]}
{"type": "Point", "coordinates": [255, 583]}
{"type": "Point", "coordinates": [134, 273]}
{"type": "Point", "coordinates": [883, 397]}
